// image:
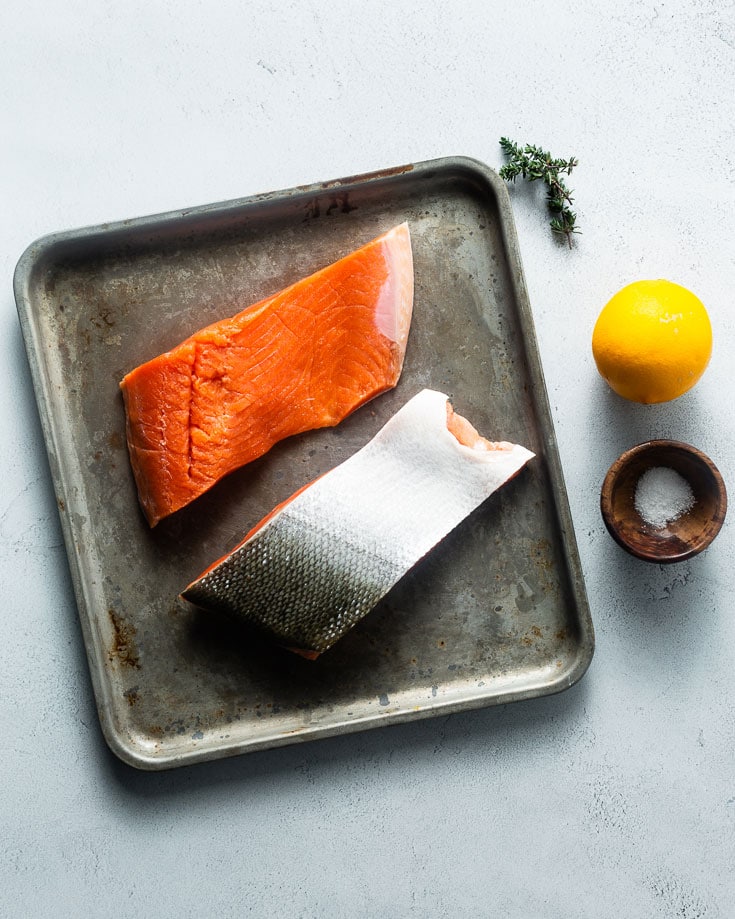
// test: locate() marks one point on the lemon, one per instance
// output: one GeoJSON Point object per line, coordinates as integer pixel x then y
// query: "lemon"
{"type": "Point", "coordinates": [652, 341]}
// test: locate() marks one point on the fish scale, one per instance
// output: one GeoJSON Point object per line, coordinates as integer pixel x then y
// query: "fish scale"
{"type": "Point", "coordinates": [324, 559]}
{"type": "Point", "coordinates": [289, 603]}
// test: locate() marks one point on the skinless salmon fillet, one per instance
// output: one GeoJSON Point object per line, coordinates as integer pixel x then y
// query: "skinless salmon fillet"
{"type": "Point", "coordinates": [302, 359]}
{"type": "Point", "coordinates": [320, 561]}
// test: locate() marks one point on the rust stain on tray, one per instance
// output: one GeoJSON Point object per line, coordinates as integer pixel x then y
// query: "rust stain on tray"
{"type": "Point", "coordinates": [360, 179]}
{"type": "Point", "coordinates": [123, 647]}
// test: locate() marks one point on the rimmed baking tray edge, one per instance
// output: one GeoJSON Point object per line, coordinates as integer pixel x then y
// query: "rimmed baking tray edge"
{"type": "Point", "coordinates": [131, 753]}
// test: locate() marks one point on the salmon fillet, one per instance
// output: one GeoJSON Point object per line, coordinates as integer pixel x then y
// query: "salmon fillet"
{"type": "Point", "coordinates": [302, 359]}
{"type": "Point", "coordinates": [318, 563]}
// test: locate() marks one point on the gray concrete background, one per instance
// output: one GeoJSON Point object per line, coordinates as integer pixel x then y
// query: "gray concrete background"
{"type": "Point", "coordinates": [616, 798]}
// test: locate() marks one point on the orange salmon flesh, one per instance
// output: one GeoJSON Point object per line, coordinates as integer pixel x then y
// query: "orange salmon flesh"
{"type": "Point", "coordinates": [302, 359]}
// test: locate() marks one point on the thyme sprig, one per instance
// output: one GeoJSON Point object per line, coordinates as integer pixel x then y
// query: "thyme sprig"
{"type": "Point", "coordinates": [532, 163]}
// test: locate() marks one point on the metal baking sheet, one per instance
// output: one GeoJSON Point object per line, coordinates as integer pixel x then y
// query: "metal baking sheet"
{"type": "Point", "coordinates": [497, 613]}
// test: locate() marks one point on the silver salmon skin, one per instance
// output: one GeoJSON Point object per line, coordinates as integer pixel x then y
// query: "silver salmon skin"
{"type": "Point", "coordinates": [323, 559]}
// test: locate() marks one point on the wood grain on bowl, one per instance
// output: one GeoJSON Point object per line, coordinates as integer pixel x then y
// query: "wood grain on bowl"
{"type": "Point", "coordinates": [678, 539]}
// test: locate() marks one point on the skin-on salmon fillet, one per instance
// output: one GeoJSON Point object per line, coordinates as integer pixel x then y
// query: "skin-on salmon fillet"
{"type": "Point", "coordinates": [323, 559]}
{"type": "Point", "coordinates": [302, 359]}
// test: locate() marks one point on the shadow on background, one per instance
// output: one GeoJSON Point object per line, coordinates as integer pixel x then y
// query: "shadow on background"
{"type": "Point", "coordinates": [533, 724]}
{"type": "Point", "coordinates": [655, 609]}
{"type": "Point", "coordinates": [656, 622]}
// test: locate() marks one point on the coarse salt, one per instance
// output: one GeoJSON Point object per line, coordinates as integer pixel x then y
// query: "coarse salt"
{"type": "Point", "coordinates": [662, 495]}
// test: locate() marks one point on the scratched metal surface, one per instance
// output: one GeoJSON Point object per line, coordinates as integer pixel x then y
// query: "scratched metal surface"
{"type": "Point", "coordinates": [498, 612]}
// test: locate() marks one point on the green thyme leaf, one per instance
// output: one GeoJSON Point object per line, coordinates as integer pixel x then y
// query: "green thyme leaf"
{"type": "Point", "coordinates": [534, 163]}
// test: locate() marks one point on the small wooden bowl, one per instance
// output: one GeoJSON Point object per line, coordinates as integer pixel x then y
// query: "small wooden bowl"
{"type": "Point", "coordinates": [679, 539]}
